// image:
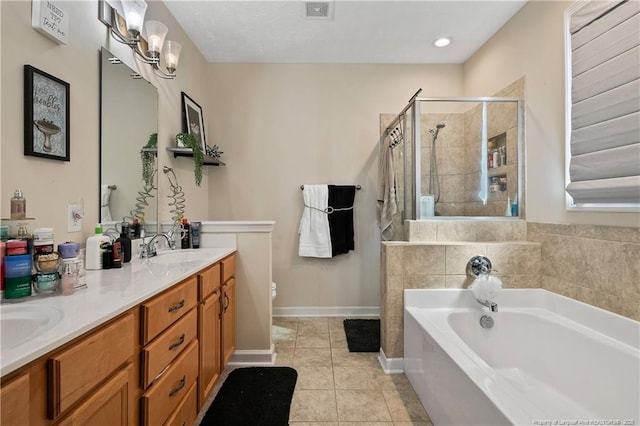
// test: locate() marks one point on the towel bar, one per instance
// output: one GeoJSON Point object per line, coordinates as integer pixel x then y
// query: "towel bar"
{"type": "Point", "coordinates": [358, 187]}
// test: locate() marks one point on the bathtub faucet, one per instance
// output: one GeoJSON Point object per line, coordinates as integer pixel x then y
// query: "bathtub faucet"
{"type": "Point", "coordinates": [493, 306]}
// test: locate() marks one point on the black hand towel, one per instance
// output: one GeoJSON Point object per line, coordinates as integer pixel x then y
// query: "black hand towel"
{"type": "Point", "coordinates": [341, 221]}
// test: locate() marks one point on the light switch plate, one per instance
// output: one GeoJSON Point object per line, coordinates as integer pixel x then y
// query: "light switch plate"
{"type": "Point", "coordinates": [74, 221]}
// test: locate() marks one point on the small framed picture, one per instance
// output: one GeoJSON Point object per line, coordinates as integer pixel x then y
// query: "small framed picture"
{"type": "Point", "coordinates": [46, 115]}
{"type": "Point", "coordinates": [192, 120]}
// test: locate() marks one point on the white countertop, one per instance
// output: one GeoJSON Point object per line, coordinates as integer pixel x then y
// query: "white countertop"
{"type": "Point", "coordinates": [108, 294]}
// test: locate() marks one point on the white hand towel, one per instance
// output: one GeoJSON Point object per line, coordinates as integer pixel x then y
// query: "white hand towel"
{"type": "Point", "coordinates": [387, 205]}
{"type": "Point", "coordinates": [105, 203]}
{"type": "Point", "coordinates": [315, 238]}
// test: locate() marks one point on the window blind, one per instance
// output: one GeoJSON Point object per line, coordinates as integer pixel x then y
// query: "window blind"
{"type": "Point", "coordinates": [605, 103]}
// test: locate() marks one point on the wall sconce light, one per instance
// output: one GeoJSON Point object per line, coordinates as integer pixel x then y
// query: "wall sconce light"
{"type": "Point", "coordinates": [125, 18]}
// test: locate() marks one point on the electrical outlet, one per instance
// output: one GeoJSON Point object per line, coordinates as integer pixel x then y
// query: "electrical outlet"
{"type": "Point", "coordinates": [74, 218]}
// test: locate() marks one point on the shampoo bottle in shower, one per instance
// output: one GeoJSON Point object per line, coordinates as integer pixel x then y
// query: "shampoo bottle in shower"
{"type": "Point", "coordinates": [507, 210]}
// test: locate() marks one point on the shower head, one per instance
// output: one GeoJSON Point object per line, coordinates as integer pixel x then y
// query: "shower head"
{"type": "Point", "coordinates": [434, 132]}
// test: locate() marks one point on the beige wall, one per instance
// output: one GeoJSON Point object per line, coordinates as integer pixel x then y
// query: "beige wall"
{"type": "Point", "coordinates": [532, 44]}
{"type": "Point", "coordinates": [50, 185]}
{"type": "Point", "coordinates": [281, 126]}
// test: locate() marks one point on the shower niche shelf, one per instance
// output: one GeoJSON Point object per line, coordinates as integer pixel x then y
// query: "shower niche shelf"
{"type": "Point", "coordinates": [497, 151]}
{"type": "Point", "coordinates": [188, 152]}
{"type": "Point", "coordinates": [497, 183]}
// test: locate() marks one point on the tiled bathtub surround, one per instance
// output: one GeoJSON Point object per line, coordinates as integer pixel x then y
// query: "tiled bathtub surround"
{"type": "Point", "coordinates": [465, 230]}
{"type": "Point", "coordinates": [443, 265]}
{"type": "Point", "coordinates": [598, 265]}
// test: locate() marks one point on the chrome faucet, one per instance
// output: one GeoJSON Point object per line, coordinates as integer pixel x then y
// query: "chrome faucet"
{"type": "Point", "coordinates": [149, 249]}
{"type": "Point", "coordinates": [493, 306]}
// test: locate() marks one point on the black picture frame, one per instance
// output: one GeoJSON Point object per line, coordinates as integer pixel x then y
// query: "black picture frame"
{"type": "Point", "coordinates": [193, 120]}
{"type": "Point", "coordinates": [46, 115]}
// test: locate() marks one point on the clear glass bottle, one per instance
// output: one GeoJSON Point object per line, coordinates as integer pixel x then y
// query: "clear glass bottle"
{"type": "Point", "coordinates": [18, 205]}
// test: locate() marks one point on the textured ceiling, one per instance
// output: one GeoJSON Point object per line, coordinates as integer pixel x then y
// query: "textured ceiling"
{"type": "Point", "coordinates": [387, 32]}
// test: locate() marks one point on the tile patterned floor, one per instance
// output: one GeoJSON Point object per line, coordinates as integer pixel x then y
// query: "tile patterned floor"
{"type": "Point", "coordinates": [336, 387]}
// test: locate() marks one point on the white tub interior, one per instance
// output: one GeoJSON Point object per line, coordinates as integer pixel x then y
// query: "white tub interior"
{"type": "Point", "coordinates": [547, 358]}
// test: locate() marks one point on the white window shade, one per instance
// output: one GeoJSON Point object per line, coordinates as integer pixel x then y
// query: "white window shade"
{"type": "Point", "coordinates": [605, 103]}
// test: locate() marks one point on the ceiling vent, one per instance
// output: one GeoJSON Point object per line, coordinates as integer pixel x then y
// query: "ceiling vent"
{"type": "Point", "coordinates": [318, 9]}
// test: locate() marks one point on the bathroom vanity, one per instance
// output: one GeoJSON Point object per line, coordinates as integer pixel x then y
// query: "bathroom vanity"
{"type": "Point", "coordinates": [144, 344]}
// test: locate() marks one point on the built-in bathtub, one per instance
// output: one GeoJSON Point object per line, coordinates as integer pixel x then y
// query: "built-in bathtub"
{"type": "Point", "coordinates": [547, 360]}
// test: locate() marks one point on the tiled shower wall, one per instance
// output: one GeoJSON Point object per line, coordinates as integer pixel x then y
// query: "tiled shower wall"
{"type": "Point", "coordinates": [598, 265]}
{"type": "Point", "coordinates": [502, 118]}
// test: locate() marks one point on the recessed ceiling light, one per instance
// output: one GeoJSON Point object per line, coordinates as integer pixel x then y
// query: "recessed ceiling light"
{"type": "Point", "coordinates": [442, 42]}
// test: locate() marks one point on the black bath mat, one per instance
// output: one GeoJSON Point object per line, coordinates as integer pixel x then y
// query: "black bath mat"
{"type": "Point", "coordinates": [363, 335]}
{"type": "Point", "coordinates": [256, 396]}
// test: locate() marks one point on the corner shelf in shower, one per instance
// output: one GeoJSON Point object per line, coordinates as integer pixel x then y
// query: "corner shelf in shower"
{"type": "Point", "coordinates": [188, 152]}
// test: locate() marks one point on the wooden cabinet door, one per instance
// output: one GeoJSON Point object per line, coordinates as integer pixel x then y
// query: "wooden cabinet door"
{"type": "Point", "coordinates": [228, 320]}
{"type": "Point", "coordinates": [108, 405]}
{"type": "Point", "coordinates": [209, 338]}
{"type": "Point", "coordinates": [14, 402]}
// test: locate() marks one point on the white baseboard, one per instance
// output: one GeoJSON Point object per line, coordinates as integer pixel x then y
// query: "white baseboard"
{"type": "Point", "coordinates": [391, 365]}
{"type": "Point", "coordinates": [253, 357]}
{"type": "Point", "coordinates": [337, 311]}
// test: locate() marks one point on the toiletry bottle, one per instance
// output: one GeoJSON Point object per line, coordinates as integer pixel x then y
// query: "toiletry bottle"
{"type": "Point", "coordinates": [94, 249]}
{"type": "Point", "coordinates": [117, 254]}
{"type": "Point", "coordinates": [135, 228]}
{"type": "Point", "coordinates": [69, 278]}
{"type": "Point", "coordinates": [185, 242]}
{"type": "Point", "coordinates": [507, 211]}
{"type": "Point", "coordinates": [496, 159]}
{"type": "Point", "coordinates": [195, 234]}
{"type": "Point", "coordinates": [107, 255]}
{"type": "Point", "coordinates": [125, 243]}
{"type": "Point", "coordinates": [18, 205]}
{"type": "Point", "coordinates": [17, 276]}
{"type": "Point", "coordinates": [514, 206]}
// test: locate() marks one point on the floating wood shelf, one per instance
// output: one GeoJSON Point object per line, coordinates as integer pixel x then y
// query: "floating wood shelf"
{"type": "Point", "coordinates": [188, 152]}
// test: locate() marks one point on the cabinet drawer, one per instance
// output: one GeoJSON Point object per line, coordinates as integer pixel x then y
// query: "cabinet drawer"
{"type": "Point", "coordinates": [159, 353]}
{"type": "Point", "coordinates": [165, 309]}
{"type": "Point", "coordinates": [187, 411]}
{"type": "Point", "coordinates": [228, 267]}
{"type": "Point", "coordinates": [168, 391]}
{"type": "Point", "coordinates": [209, 281]}
{"type": "Point", "coordinates": [76, 371]}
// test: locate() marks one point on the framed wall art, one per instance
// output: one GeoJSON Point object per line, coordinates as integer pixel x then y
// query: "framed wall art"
{"type": "Point", "coordinates": [192, 120]}
{"type": "Point", "coordinates": [46, 115]}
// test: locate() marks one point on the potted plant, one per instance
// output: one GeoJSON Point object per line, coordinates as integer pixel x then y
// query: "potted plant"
{"type": "Point", "coordinates": [149, 160]}
{"type": "Point", "coordinates": [189, 141]}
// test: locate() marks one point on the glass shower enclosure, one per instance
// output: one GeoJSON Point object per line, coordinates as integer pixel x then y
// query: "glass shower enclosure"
{"type": "Point", "coordinates": [457, 157]}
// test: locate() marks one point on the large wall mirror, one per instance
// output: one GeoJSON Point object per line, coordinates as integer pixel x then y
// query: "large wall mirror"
{"type": "Point", "coordinates": [129, 116]}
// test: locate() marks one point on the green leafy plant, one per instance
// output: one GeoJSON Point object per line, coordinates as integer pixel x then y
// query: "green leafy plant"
{"type": "Point", "coordinates": [189, 141]}
{"type": "Point", "coordinates": [149, 160]}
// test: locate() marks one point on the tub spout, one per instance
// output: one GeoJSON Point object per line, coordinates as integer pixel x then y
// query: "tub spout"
{"type": "Point", "coordinates": [493, 306]}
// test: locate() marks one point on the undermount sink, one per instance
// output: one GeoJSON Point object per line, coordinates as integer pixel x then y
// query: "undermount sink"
{"type": "Point", "coordinates": [170, 257]}
{"type": "Point", "coordinates": [20, 322]}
